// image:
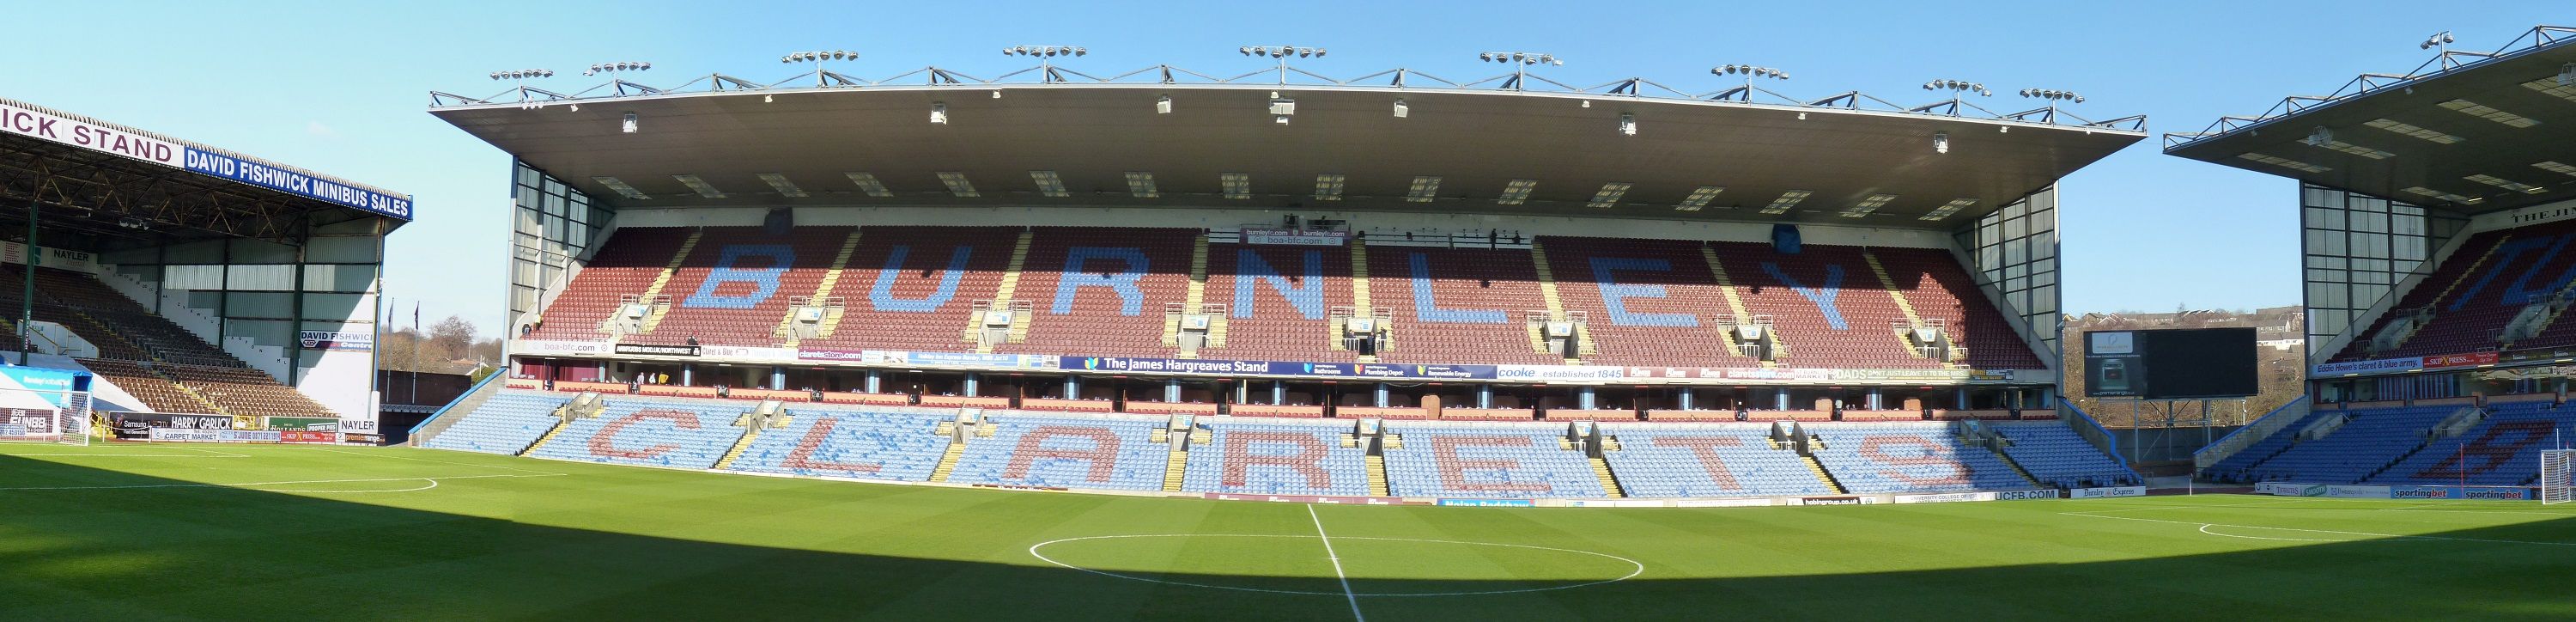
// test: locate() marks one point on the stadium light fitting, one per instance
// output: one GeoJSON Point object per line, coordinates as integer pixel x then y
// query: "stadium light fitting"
{"type": "Point", "coordinates": [939, 113]}
{"type": "Point", "coordinates": [1141, 184]}
{"type": "Point", "coordinates": [868, 183]}
{"type": "Point", "coordinates": [1786, 201]}
{"type": "Point", "coordinates": [1609, 194]}
{"type": "Point", "coordinates": [2412, 130]}
{"type": "Point", "coordinates": [2053, 95]}
{"type": "Point", "coordinates": [1401, 110]}
{"type": "Point", "coordinates": [1328, 186]}
{"type": "Point", "coordinates": [1627, 125]}
{"type": "Point", "coordinates": [2283, 162]}
{"type": "Point", "coordinates": [1049, 184]}
{"type": "Point", "coordinates": [817, 57]}
{"type": "Point", "coordinates": [1281, 108]}
{"type": "Point", "coordinates": [784, 187]}
{"type": "Point", "coordinates": [1520, 62]}
{"type": "Point", "coordinates": [2437, 194]}
{"type": "Point", "coordinates": [521, 75]}
{"type": "Point", "coordinates": [2556, 167]}
{"type": "Point", "coordinates": [957, 184]}
{"type": "Point", "coordinates": [2320, 136]}
{"type": "Point", "coordinates": [1749, 72]}
{"type": "Point", "coordinates": [1425, 188]}
{"type": "Point", "coordinates": [2438, 40]}
{"type": "Point", "coordinates": [1235, 185]}
{"type": "Point", "coordinates": [1163, 105]}
{"type": "Point", "coordinates": [616, 67]}
{"type": "Point", "coordinates": [699, 186]}
{"type": "Point", "coordinates": [1958, 86]}
{"type": "Point", "coordinates": [2507, 184]}
{"type": "Point", "coordinates": [620, 187]}
{"type": "Point", "coordinates": [2375, 154]}
{"type": "Point", "coordinates": [1699, 198]}
{"type": "Point", "coordinates": [2489, 113]}
{"type": "Point", "coordinates": [1517, 191]}
{"type": "Point", "coordinates": [1948, 209]}
{"type": "Point", "coordinates": [626, 124]}
{"type": "Point", "coordinates": [1867, 205]}
{"type": "Point", "coordinates": [1282, 53]}
{"type": "Point", "coordinates": [1940, 142]}
{"type": "Point", "coordinates": [2567, 74]}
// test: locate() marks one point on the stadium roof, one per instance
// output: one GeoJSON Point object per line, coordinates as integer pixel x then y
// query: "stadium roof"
{"type": "Point", "coordinates": [2472, 131]}
{"type": "Point", "coordinates": [1108, 142]}
{"type": "Point", "coordinates": [106, 182]}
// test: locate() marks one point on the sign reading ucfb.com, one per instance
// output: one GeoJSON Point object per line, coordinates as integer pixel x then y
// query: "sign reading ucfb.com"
{"type": "Point", "coordinates": [282, 180]}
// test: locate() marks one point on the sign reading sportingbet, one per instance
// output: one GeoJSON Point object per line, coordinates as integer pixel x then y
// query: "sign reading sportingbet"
{"type": "Point", "coordinates": [23, 120]}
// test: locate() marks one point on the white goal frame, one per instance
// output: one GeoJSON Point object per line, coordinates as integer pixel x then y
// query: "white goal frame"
{"type": "Point", "coordinates": [66, 422]}
{"type": "Point", "coordinates": [2557, 478]}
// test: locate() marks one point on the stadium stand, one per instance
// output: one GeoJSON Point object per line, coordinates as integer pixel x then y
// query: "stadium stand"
{"type": "Point", "coordinates": [1825, 304]}
{"type": "Point", "coordinates": [735, 285]}
{"type": "Point", "coordinates": [869, 443]}
{"type": "Point", "coordinates": [1252, 456]}
{"type": "Point", "coordinates": [2501, 450]}
{"type": "Point", "coordinates": [687, 434]}
{"type": "Point", "coordinates": [1937, 287]}
{"type": "Point", "coordinates": [1649, 302]}
{"type": "Point", "coordinates": [1706, 460]}
{"type": "Point", "coordinates": [157, 392]}
{"type": "Point", "coordinates": [2053, 454]}
{"type": "Point", "coordinates": [910, 288]}
{"type": "Point", "coordinates": [150, 357]}
{"type": "Point", "coordinates": [1909, 458]}
{"type": "Point", "coordinates": [1454, 305]}
{"type": "Point", "coordinates": [627, 264]}
{"type": "Point", "coordinates": [505, 424]}
{"type": "Point", "coordinates": [1102, 290]}
{"type": "Point", "coordinates": [1489, 460]}
{"type": "Point", "coordinates": [1277, 299]}
{"type": "Point", "coordinates": [1100, 451]}
{"type": "Point", "coordinates": [243, 392]}
{"type": "Point", "coordinates": [2471, 297]}
{"type": "Point", "coordinates": [2368, 440]}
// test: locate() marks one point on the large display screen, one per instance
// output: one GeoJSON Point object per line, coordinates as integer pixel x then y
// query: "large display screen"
{"type": "Point", "coordinates": [2200, 363]}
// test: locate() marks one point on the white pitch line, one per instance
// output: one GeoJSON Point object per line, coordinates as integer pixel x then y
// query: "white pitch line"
{"type": "Point", "coordinates": [492, 466]}
{"type": "Point", "coordinates": [2205, 526]}
{"type": "Point", "coordinates": [1337, 564]}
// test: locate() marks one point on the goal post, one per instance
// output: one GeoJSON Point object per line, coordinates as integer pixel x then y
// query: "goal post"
{"type": "Point", "coordinates": [36, 416]}
{"type": "Point", "coordinates": [2556, 478]}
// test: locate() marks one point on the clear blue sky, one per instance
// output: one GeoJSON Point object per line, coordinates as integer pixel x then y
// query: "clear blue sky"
{"type": "Point", "coordinates": [341, 87]}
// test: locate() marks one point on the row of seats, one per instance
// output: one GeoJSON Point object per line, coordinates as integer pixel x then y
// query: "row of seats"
{"type": "Point", "coordinates": [1272, 456]}
{"type": "Point", "coordinates": [2054, 455]}
{"type": "Point", "coordinates": [1910, 458]}
{"type": "Point", "coordinates": [687, 434]}
{"type": "Point", "coordinates": [1103, 291]}
{"type": "Point", "coordinates": [1707, 460]}
{"type": "Point", "coordinates": [2475, 293]}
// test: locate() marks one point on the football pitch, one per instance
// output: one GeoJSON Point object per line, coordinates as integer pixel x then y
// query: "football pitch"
{"type": "Point", "coordinates": [144, 532]}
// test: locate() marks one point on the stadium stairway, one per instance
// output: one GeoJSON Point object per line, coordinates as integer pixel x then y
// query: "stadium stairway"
{"type": "Point", "coordinates": [669, 271]}
{"type": "Point", "coordinates": [786, 330]}
{"type": "Point", "coordinates": [1547, 291]}
{"type": "Point", "coordinates": [1175, 467]}
{"type": "Point", "coordinates": [551, 433]}
{"type": "Point", "coordinates": [1894, 293]}
{"type": "Point", "coordinates": [1609, 481]}
{"type": "Point", "coordinates": [1823, 476]}
{"type": "Point", "coordinates": [947, 462]}
{"type": "Point", "coordinates": [1377, 476]}
{"type": "Point", "coordinates": [2016, 467]}
{"type": "Point", "coordinates": [751, 432]}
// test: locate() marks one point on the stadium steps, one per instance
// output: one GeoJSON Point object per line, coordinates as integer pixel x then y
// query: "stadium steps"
{"type": "Point", "coordinates": [1377, 476]}
{"type": "Point", "coordinates": [1002, 293]}
{"type": "Point", "coordinates": [1888, 282]}
{"type": "Point", "coordinates": [2401, 459]}
{"type": "Point", "coordinates": [948, 461]}
{"type": "Point", "coordinates": [2016, 467]}
{"type": "Point", "coordinates": [749, 433]}
{"type": "Point", "coordinates": [822, 290]}
{"type": "Point", "coordinates": [560, 426]}
{"type": "Point", "coordinates": [1609, 482]}
{"type": "Point", "coordinates": [2446, 291]}
{"type": "Point", "coordinates": [1359, 274]}
{"type": "Point", "coordinates": [1726, 288]}
{"type": "Point", "coordinates": [669, 270]}
{"type": "Point", "coordinates": [1823, 476]}
{"type": "Point", "coordinates": [1556, 304]}
{"type": "Point", "coordinates": [1173, 468]}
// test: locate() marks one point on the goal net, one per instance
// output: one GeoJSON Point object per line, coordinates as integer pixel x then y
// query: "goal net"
{"type": "Point", "coordinates": [2555, 477]}
{"type": "Point", "coordinates": [34, 416]}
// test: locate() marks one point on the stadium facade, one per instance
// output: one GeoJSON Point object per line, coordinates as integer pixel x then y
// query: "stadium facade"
{"type": "Point", "coordinates": [202, 288]}
{"type": "Point", "coordinates": [1349, 261]}
{"type": "Point", "coordinates": [2435, 214]}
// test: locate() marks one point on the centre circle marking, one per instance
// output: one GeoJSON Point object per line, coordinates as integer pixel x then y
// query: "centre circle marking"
{"type": "Point", "coordinates": [1639, 568]}
{"type": "Point", "coordinates": [433, 483]}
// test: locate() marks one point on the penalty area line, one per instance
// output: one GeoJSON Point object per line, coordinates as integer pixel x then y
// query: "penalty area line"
{"type": "Point", "coordinates": [1337, 564]}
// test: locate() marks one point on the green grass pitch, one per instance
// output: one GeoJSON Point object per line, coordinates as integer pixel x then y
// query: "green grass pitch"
{"type": "Point", "coordinates": [154, 532]}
